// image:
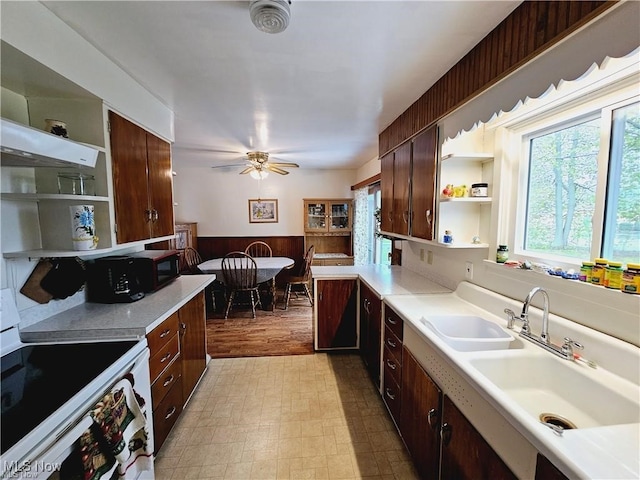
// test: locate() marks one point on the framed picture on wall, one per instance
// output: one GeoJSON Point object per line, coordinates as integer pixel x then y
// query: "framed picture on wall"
{"type": "Point", "coordinates": [263, 211]}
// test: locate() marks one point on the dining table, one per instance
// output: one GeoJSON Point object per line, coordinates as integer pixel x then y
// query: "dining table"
{"type": "Point", "coordinates": [266, 270]}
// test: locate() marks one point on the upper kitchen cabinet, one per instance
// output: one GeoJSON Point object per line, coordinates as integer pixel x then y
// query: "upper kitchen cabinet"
{"type": "Point", "coordinates": [327, 226]}
{"type": "Point", "coordinates": [408, 180]}
{"type": "Point", "coordinates": [142, 180]}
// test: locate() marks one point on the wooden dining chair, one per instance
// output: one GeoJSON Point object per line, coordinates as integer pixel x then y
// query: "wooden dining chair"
{"type": "Point", "coordinates": [240, 274]}
{"type": "Point", "coordinates": [300, 279]}
{"type": "Point", "coordinates": [262, 249]}
{"type": "Point", "coordinates": [192, 259]}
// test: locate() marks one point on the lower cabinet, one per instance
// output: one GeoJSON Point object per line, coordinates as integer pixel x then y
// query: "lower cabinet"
{"type": "Point", "coordinates": [420, 419]}
{"type": "Point", "coordinates": [545, 470]}
{"type": "Point", "coordinates": [335, 308]}
{"type": "Point", "coordinates": [393, 361]}
{"type": "Point", "coordinates": [370, 331]}
{"type": "Point", "coordinates": [465, 454]}
{"type": "Point", "coordinates": [178, 359]}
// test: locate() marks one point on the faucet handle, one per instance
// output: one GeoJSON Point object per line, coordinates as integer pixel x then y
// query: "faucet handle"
{"type": "Point", "coordinates": [569, 345]}
{"type": "Point", "coordinates": [511, 317]}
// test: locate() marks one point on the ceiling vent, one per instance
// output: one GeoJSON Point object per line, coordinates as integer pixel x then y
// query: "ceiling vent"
{"type": "Point", "coordinates": [270, 16]}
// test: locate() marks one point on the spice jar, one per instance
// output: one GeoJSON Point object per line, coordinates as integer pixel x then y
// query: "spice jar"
{"type": "Point", "coordinates": [613, 275]}
{"type": "Point", "coordinates": [630, 281]}
{"type": "Point", "coordinates": [597, 272]}
{"type": "Point", "coordinates": [502, 255]}
{"type": "Point", "coordinates": [585, 272]}
{"type": "Point", "coordinates": [479, 189]}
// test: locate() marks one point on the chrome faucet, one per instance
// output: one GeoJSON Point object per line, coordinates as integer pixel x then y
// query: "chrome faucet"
{"type": "Point", "coordinates": [565, 351]}
{"type": "Point", "coordinates": [544, 335]}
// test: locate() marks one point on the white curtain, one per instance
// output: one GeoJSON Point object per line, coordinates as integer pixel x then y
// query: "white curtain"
{"type": "Point", "coordinates": [361, 227]}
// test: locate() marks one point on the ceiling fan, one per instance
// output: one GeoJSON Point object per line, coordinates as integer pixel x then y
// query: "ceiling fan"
{"type": "Point", "coordinates": [258, 165]}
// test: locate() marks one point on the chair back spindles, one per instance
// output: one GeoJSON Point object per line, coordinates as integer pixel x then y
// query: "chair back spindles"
{"type": "Point", "coordinates": [240, 274]}
{"type": "Point", "coordinates": [259, 249]}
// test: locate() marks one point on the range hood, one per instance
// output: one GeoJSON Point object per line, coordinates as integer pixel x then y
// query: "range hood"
{"type": "Point", "coordinates": [22, 146]}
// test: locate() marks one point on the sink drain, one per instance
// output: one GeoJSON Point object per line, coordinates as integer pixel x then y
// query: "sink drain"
{"type": "Point", "coordinates": [557, 420]}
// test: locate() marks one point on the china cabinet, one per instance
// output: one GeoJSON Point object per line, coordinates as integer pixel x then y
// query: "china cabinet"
{"type": "Point", "coordinates": [327, 226]}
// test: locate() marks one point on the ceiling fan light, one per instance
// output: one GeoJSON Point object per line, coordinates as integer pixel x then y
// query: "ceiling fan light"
{"type": "Point", "coordinates": [270, 16]}
{"type": "Point", "coordinates": [259, 174]}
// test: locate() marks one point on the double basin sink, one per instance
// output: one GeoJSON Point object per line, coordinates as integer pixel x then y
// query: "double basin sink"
{"type": "Point", "coordinates": [554, 391]}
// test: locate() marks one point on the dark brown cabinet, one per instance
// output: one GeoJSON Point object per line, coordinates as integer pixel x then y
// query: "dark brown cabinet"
{"type": "Point", "coordinates": [336, 302]}
{"type": "Point", "coordinates": [370, 331]}
{"type": "Point", "coordinates": [545, 470]}
{"type": "Point", "coordinates": [193, 343]}
{"type": "Point", "coordinates": [465, 454]}
{"type": "Point", "coordinates": [420, 419]}
{"type": "Point", "coordinates": [392, 364]}
{"type": "Point", "coordinates": [142, 182]}
{"type": "Point", "coordinates": [408, 181]}
{"type": "Point", "coordinates": [423, 183]}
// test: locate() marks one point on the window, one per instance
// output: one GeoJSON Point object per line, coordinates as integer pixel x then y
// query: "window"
{"type": "Point", "coordinates": [582, 186]}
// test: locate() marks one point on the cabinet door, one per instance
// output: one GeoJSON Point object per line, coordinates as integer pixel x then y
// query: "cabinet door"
{"type": "Point", "coordinates": [386, 192]}
{"type": "Point", "coordinates": [420, 418]}
{"type": "Point", "coordinates": [545, 470]}
{"type": "Point", "coordinates": [160, 180]}
{"type": "Point", "coordinates": [339, 216]}
{"type": "Point", "coordinates": [423, 181]}
{"type": "Point", "coordinates": [370, 331]}
{"type": "Point", "coordinates": [336, 313]}
{"type": "Point", "coordinates": [193, 341]}
{"type": "Point", "coordinates": [131, 194]}
{"type": "Point", "coordinates": [465, 454]}
{"type": "Point", "coordinates": [315, 217]}
{"type": "Point", "coordinates": [401, 189]}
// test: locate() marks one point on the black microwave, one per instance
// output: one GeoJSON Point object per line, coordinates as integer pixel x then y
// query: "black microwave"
{"type": "Point", "coordinates": [156, 268]}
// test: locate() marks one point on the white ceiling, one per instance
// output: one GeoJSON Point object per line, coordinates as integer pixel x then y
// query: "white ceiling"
{"type": "Point", "coordinates": [317, 94]}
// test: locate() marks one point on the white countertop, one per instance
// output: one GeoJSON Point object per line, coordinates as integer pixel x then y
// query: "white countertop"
{"type": "Point", "coordinates": [595, 452]}
{"type": "Point", "coordinates": [119, 321]}
{"type": "Point", "coordinates": [382, 279]}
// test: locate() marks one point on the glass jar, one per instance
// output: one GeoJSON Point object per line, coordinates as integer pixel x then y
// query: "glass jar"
{"type": "Point", "coordinates": [630, 281]}
{"type": "Point", "coordinates": [448, 237]}
{"type": "Point", "coordinates": [585, 272]}
{"type": "Point", "coordinates": [502, 254]}
{"type": "Point", "coordinates": [597, 272]}
{"type": "Point", "coordinates": [76, 184]}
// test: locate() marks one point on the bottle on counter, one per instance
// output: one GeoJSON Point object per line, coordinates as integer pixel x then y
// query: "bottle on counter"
{"type": "Point", "coordinates": [630, 281]}
{"type": "Point", "coordinates": [448, 237]}
{"type": "Point", "coordinates": [613, 275]}
{"type": "Point", "coordinates": [597, 272]}
{"type": "Point", "coordinates": [585, 272]}
{"type": "Point", "coordinates": [502, 254]}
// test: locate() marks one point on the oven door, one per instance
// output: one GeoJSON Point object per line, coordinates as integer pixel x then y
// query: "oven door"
{"type": "Point", "coordinates": [41, 452]}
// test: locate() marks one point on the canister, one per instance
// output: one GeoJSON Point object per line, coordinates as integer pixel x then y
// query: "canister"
{"type": "Point", "coordinates": [630, 281]}
{"type": "Point", "coordinates": [585, 272]}
{"type": "Point", "coordinates": [479, 189]}
{"type": "Point", "coordinates": [597, 272]}
{"type": "Point", "coordinates": [502, 254]}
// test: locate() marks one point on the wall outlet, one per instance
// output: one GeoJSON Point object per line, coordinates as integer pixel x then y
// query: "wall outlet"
{"type": "Point", "coordinates": [468, 271]}
{"type": "Point", "coordinates": [422, 254]}
{"type": "Point", "coordinates": [429, 257]}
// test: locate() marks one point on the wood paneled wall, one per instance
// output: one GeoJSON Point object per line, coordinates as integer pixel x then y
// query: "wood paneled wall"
{"type": "Point", "coordinates": [531, 28]}
{"type": "Point", "coordinates": [217, 247]}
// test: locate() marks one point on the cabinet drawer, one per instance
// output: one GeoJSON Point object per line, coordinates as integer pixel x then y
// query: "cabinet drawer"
{"type": "Point", "coordinates": [160, 335]}
{"type": "Point", "coordinates": [164, 357]}
{"type": "Point", "coordinates": [165, 381]}
{"type": "Point", "coordinates": [165, 416]}
{"type": "Point", "coordinates": [391, 394]}
{"type": "Point", "coordinates": [392, 367]}
{"type": "Point", "coordinates": [393, 344]}
{"type": "Point", "coordinates": [337, 261]}
{"type": "Point", "coordinates": [393, 321]}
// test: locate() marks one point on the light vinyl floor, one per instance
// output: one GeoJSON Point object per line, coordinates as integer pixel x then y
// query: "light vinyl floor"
{"type": "Point", "coordinates": [288, 417]}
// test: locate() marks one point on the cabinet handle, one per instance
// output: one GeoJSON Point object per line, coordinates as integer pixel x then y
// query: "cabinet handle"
{"type": "Point", "coordinates": [391, 343]}
{"type": "Point", "coordinates": [183, 326]}
{"type": "Point", "coordinates": [405, 216]}
{"type": "Point", "coordinates": [320, 296]}
{"type": "Point", "coordinates": [390, 215]}
{"type": "Point", "coordinates": [148, 215]}
{"type": "Point", "coordinates": [170, 413]}
{"type": "Point", "coordinates": [389, 394]}
{"type": "Point", "coordinates": [154, 215]}
{"type": "Point", "coordinates": [165, 333]}
{"type": "Point", "coordinates": [168, 380]}
{"type": "Point", "coordinates": [392, 321]}
{"type": "Point", "coordinates": [432, 415]}
{"type": "Point", "coordinates": [428, 215]}
{"type": "Point", "coordinates": [445, 434]}
{"type": "Point", "coordinates": [391, 365]}
{"type": "Point", "coordinates": [166, 357]}
{"type": "Point", "coordinates": [367, 303]}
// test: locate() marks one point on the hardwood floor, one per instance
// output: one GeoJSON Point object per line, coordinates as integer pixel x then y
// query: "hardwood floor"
{"type": "Point", "coordinates": [281, 332]}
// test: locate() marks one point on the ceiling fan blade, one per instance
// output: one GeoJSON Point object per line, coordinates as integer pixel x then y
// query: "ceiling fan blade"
{"type": "Point", "coordinates": [276, 169]}
{"type": "Point", "coordinates": [247, 170]}
{"type": "Point", "coordinates": [284, 164]}
{"type": "Point", "coordinates": [229, 165]}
